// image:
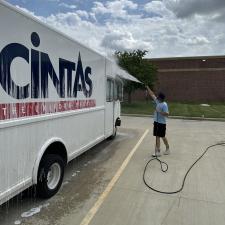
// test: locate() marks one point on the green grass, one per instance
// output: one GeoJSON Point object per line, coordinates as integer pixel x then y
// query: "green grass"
{"type": "Point", "coordinates": [215, 110]}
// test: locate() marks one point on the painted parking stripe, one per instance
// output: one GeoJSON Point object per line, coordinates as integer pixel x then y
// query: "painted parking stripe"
{"type": "Point", "coordinates": [87, 219]}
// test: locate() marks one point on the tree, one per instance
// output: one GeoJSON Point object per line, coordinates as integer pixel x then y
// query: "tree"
{"type": "Point", "coordinates": [135, 64]}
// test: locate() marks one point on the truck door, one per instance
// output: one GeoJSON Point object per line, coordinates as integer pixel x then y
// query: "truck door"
{"type": "Point", "coordinates": [118, 97]}
{"type": "Point", "coordinates": [109, 108]}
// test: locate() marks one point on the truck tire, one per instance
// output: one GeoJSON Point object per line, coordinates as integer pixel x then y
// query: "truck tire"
{"type": "Point", "coordinates": [50, 175]}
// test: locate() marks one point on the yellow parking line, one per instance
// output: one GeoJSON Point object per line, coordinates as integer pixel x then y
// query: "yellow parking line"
{"type": "Point", "coordinates": [87, 219]}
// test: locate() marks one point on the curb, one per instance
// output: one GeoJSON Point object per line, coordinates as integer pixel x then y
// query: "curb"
{"type": "Point", "coordinates": [178, 117]}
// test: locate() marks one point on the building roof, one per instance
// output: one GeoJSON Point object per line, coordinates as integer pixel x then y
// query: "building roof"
{"type": "Point", "coordinates": [187, 57]}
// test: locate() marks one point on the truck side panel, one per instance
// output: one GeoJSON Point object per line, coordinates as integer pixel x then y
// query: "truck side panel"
{"type": "Point", "coordinates": [56, 89]}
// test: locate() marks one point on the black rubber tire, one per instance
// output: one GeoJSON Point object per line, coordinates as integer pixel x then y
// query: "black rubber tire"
{"type": "Point", "coordinates": [43, 190]}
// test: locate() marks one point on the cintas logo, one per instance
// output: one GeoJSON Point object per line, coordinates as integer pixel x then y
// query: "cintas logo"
{"type": "Point", "coordinates": [41, 69]}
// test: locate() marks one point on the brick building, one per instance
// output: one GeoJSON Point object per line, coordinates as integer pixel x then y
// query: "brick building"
{"type": "Point", "coordinates": [196, 79]}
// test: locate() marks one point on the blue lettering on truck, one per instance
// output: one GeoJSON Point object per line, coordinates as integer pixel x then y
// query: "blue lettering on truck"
{"type": "Point", "coordinates": [41, 69]}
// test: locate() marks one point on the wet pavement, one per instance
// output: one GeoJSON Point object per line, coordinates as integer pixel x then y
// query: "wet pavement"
{"type": "Point", "coordinates": [85, 179]}
{"type": "Point", "coordinates": [129, 201]}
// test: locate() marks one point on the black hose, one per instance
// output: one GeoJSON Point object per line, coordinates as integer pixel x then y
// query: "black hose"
{"type": "Point", "coordinates": [166, 168]}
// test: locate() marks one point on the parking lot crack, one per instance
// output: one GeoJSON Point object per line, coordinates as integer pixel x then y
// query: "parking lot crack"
{"type": "Point", "coordinates": [169, 210]}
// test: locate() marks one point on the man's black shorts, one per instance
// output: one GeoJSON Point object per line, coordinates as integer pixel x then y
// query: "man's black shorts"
{"type": "Point", "coordinates": [159, 129]}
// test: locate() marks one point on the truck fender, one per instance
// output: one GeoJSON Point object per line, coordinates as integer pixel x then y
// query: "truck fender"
{"type": "Point", "coordinates": [40, 155]}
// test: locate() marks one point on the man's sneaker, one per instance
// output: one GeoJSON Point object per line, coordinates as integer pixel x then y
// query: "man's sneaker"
{"type": "Point", "coordinates": [156, 154]}
{"type": "Point", "coordinates": [167, 152]}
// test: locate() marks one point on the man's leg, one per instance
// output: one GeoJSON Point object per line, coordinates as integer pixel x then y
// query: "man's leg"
{"type": "Point", "coordinates": [157, 140]}
{"type": "Point", "coordinates": [167, 152]}
{"type": "Point", "coordinates": [157, 143]}
{"type": "Point", "coordinates": [166, 142]}
{"type": "Point", "coordinates": [157, 147]}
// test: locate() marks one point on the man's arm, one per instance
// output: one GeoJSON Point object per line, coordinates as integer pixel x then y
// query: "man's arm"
{"type": "Point", "coordinates": [164, 111]}
{"type": "Point", "coordinates": [151, 93]}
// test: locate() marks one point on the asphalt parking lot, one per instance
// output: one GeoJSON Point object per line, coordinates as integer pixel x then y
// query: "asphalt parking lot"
{"type": "Point", "coordinates": [104, 185]}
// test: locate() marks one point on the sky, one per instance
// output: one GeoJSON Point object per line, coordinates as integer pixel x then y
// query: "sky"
{"type": "Point", "coordinates": [165, 28]}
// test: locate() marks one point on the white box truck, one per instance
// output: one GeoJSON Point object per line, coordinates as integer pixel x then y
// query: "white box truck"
{"type": "Point", "coordinates": [58, 98]}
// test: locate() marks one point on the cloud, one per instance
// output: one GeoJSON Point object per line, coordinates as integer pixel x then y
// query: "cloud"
{"type": "Point", "coordinates": [82, 13]}
{"type": "Point", "coordinates": [68, 19]}
{"type": "Point", "coordinates": [197, 41]}
{"type": "Point", "coordinates": [117, 8]}
{"type": "Point", "coordinates": [187, 8]}
{"type": "Point", "coordinates": [160, 30]}
{"type": "Point", "coordinates": [157, 7]}
{"type": "Point", "coordinates": [67, 5]}
{"type": "Point", "coordinates": [120, 40]}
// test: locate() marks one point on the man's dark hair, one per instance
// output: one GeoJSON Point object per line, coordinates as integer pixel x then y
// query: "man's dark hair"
{"type": "Point", "coordinates": [161, 96]}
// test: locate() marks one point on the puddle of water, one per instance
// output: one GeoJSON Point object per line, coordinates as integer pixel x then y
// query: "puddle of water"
{"type": "Point", "coordinates": [65, 183]}
{"type": "Point", "coordinates": [31, 212]}
{"type": "Point", "coordinates": [123, 134]}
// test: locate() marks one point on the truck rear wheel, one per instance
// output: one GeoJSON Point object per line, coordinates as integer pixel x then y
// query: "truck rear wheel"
{"type": "Point", "coordinates": [50, 175]}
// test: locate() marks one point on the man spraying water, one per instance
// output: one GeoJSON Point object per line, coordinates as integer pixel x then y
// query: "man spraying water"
{"type": "Point", "coordinates": [161, 112]}
{"type": "Point", "coordinates": [159, 130]}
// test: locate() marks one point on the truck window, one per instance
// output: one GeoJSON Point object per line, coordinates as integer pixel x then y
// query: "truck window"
{"type": "Point", "coordinates": [109, 91]}
{"type": "Point", "coordinates": [118, 93]}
